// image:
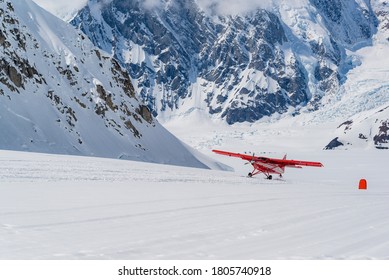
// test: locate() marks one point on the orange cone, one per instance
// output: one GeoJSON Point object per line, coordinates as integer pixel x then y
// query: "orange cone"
{"type": "Point", "coordinates": [362, 184]}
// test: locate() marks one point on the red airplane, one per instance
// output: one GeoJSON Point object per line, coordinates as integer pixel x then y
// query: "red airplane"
{"type": "Point", "coordinates": [269, 166]}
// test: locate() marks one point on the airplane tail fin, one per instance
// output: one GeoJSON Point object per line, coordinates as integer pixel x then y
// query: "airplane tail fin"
{"type": "Point", "coordinates": [283, 167]}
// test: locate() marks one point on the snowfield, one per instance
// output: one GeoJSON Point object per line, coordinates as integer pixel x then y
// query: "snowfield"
{"type": "Point", "coordinates": [70, 207]}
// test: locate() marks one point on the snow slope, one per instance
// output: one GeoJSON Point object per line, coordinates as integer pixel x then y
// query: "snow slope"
{"type": "Point", "coordinates": [60, 94]}
{"type": "Point", "coordinates": [65, 10]}
{"type": "Point", "coordinates": [69, 207]}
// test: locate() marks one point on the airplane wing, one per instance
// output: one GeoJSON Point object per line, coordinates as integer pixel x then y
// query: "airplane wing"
{"type": "Point", "coordinates": [294, 163]}
{"type": "Point", "coordinates": [242, 156]}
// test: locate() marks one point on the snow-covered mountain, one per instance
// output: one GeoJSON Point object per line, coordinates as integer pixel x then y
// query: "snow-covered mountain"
{"type": "Point", "coordinates": [60, 94]}
{"type": "Point", "coordinates": [242, 67]}
{"type": "Point", "coordinates": [361, 106]}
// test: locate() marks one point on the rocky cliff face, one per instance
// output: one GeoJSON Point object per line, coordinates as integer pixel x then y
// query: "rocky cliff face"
{"type": "Point", "coordinates": [59, 93]}
{"type": "Point", "coordinates": [236, 67]}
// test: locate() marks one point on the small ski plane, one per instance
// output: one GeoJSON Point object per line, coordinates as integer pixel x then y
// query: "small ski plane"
{"type": "Point", "coordinates": [267, 165]}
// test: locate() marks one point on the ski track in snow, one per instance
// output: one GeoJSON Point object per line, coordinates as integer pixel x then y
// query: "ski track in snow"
{"type": "Point", "coordinates": [69, 207]}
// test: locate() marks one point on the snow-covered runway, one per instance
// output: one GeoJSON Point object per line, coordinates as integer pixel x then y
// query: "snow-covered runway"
{"type": "Point", "coordinates": [67, 207]}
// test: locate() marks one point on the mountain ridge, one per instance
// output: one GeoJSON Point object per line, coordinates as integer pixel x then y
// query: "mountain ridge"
{"type": "Point", "coordinates": [239, 68]}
